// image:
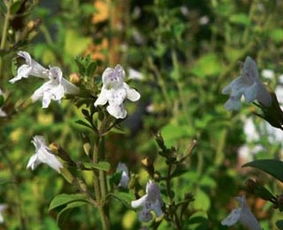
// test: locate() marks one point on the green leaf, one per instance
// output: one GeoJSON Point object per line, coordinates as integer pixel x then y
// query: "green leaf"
{"type": "Point", "coordinates": [202, 201]}
{"type": "Point", "coordinates": [16, 6]}
{"type": "Point", "coordinates": [115, 178]}
{"type": "Point", "coordinates": [207, 65]}
{"type": "Point", "coordinates": [68, 208]}
{"type": "Point", "coordinates": [102, 165]}
{"type": "Point", "coordinates": [276, 35]}
{"type": "Point", "coordinates": [279, 224]}
{"type": "Point", "coordinates": [272, 167]}
{"type": "Point", "coordinates": [64, 199]}
{"type": "Point", "coordinates": [241, 19]}
{"type": "Point", "coordinates": [83, 123]}
{"type": "Point", "coordinates": [75, 44]}
{"type": "Point", "coordinates": [1, 100]}
{"type": "Point", "coordinates": [5, 181]}
{"type": "Point", "coordinates": [124, 197]}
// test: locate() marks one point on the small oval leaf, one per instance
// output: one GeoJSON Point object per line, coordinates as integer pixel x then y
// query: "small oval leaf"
{"type": "Point", "coordinates": [64, 199]}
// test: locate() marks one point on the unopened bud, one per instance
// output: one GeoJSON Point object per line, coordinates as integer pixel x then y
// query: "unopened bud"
{"type": "Point", "coordinates": [74, 78]}
{"type": "Point", "coordinates": [86, 147]}
{"type": "Point", "coordinates": [54, 147]}
{"type": "Point", "coordinates": [148, 165]}
{"type": "Point", "coordinates": [32, 24]}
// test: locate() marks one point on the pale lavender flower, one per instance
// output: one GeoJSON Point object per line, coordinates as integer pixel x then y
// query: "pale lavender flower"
{"type": "Point", "coordinates": [247, 84]}
{"type": "Point", "coordinates": [30, 68]}
{"type": "Point", "coordinates": [54, 89]}
{"type": "Point", "coordinates": [124, 175]}
{"type": "Point", "coordinates": [2, 209]}
{"type": "Point", "coordinates": [151, 201]}
{"type": "Point", "coordinates": [135, 75]}
{"type": "Point", "coordinates": [56, 86]}
{"type": "Point", "coordinates": [243, 215]}
{"type": "Point", "coordinates": [43, 154]}
{"type": "Point", "coordinates": [115, 91]}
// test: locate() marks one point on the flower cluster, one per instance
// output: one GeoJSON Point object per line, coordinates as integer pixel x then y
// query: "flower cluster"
{"type": "Point", "coordinates": [53, 89]}
{"type": "Point", "coordinates": [115, 91]}
{"type": "Point", "coordinates": [249, 85]}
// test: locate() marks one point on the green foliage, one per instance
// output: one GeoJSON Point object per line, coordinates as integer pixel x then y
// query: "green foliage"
{"type": "Point", "coordinates": [272, 167]}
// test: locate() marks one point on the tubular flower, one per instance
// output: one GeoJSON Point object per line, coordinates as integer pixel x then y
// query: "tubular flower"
{"type": "Point", "coordinates": [151, 201]}
{"type": "Point", "coordinates": [247, 84]}
{"type": "Point", "coordinates": [242, 214]}
{"type": "Point", "coordinates": [124, 175]}
{"type": "Point", "coordinates": [54, 89]}
{"type": "Point", "coordinates": [115, 91]}
{"type": "Point", "coordinates": [44, 155]}
{"type": "Point", "coordinates": [56, 86]}
{"type": "Point", "coordinates": [30, 68]}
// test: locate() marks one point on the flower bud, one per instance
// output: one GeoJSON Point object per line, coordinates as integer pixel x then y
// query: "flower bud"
{"type": "Point", "coordinates": [148, 165]}
{"type": "Point", "coordinates": [74, 78]}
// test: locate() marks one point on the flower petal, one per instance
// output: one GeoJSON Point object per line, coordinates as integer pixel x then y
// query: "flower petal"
{"type": "Point", "coordinates": [117, 111]}
{"type": "Point", "coordinates": [33, 162]}
{"type": "Point", "coordinates": [139, 202]}
{"type": "Point", "coordinates": [132, 94]}
{"type": "Point", "coordinates": [232, 218]}
{"type": "Point", "coordinates": [46, 157]}
{"type": "Point", "coordinates": [102, 98]}
{"type": "Point", "coordinates": [23, 72]}
{"type": "Point", "coordinates": [144, 215]}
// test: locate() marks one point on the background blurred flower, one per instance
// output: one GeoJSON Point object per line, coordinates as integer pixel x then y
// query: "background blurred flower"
{"type": "Point", "coordinates": [242, 215]}
{"type": "Point", "coordinates": [151, 201]}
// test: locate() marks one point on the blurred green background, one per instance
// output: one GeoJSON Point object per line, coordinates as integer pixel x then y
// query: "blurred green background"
{"type": "Point", "coordinates": [185, 52]}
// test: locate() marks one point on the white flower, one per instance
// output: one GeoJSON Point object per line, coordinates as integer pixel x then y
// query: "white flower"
{"type": "Point", "coordinates": [115, 91]}
{"type": "Point", "coordinates": [243, 215]}
{"type": "Point", "coordinates": [135, 75]}
{"type": "Point", "coordinates": [44, 155]}
{"type": "Point", "coordinates": [124, 175]}
{"type": "Point", "coordinates": [56, 86]}
{"type": "Point", "coordinates": [30, 68]}
{"type": "Point", "coordinates": [54, 89]}
{"type": "Point", "coordinates": [151, 201]}
{"type": "Point", "coordinates": [2, 113]}
{"type": "Point", "coordinates": [2, 208]}
{"type": "Point", "coordinates": [246, 84]}
{"type": "Point", "coordinates": [268, 73]}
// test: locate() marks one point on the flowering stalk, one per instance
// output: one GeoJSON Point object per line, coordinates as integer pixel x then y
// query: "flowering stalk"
{"type": "Point", "coordinates": [5, 30]}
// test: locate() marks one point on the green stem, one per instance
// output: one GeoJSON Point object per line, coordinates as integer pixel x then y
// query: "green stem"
{"type": "Point", "coordinates": [104, 218]}
{"type": "Point", "coordinates": [4, 33]}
